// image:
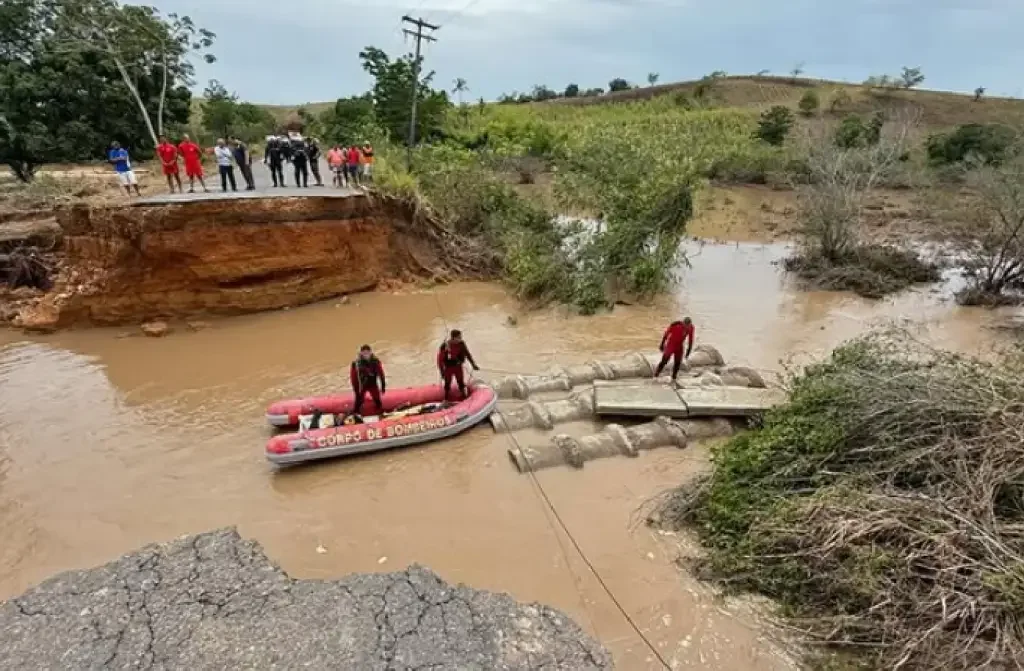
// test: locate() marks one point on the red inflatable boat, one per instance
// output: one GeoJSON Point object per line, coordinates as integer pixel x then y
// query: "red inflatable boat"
{"type": "Point", "coordinates": [413, 415]}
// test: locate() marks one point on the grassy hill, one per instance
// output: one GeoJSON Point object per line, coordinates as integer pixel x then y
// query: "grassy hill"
{"type": "Point", "coordinates": [938, 108]}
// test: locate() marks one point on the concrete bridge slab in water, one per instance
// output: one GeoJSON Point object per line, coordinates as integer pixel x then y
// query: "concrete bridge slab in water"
{"type": "Point", "coordinates": [649, 400]}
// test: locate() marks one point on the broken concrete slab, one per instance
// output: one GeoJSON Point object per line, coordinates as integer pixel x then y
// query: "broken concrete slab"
{"type": "Point", "coordinates": [652, 400]}
{"type": "Point", "coordinates": [214, 601]}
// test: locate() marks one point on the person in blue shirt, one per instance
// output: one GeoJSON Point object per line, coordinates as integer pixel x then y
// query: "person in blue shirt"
{"type": "Point", "coordinates": [118, 157]}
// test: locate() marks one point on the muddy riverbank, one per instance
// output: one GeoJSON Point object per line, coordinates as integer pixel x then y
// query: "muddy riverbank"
{"type": "Point", "coordinates": [214, 256]}
{"type": "Point", "coordinates": [108, 443]}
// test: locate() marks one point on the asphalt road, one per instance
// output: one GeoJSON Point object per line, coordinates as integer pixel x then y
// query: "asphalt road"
{"type": "Point", "coordinates": [214, 601]}
{"type": "Point", "coordinates": [263, 182]}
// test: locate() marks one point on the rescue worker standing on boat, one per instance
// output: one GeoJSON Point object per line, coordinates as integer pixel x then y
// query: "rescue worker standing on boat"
{"type": "Point", "coordinates": [367, 375]}
{"type": "Point", "coordinates": [452, 354]}
{"type": "Point", "coordinates": [671, 345]}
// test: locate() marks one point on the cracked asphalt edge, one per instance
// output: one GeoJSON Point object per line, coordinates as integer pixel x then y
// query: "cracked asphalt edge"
{"type": "Point", "coordinates": [215, 601]}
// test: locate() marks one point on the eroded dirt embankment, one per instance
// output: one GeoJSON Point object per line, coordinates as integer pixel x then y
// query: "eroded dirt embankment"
{"type": "Point", "coordinates": [129, 264]}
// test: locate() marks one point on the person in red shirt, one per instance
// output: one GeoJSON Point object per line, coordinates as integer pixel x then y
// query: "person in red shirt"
{"type": "Point", "coordinates": [367, 375]}
{"type": "Point", "coordinates": [193, 156]}
{"type": "Point", "coordinates": [168, 154]}
{"type": "Point", "coordinates": [452, 354]}
{"type": "Point", "coordinates": [353, 157]}
{"type": "Point", "coordinates": [672, 345]}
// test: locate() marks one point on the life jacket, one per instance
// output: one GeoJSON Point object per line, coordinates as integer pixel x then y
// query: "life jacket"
{"type": "Point", "coordinates": [454, 353]}
{"type": "Point", "coordinates": [367, 370]}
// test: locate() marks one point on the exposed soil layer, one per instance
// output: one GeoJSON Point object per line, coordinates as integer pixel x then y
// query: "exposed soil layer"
{"type": "Point", "coordinates": [130, 264]}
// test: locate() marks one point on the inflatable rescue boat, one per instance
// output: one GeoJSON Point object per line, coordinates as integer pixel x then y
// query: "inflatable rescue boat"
{"type": "Point", "coordinates": [410, 416]}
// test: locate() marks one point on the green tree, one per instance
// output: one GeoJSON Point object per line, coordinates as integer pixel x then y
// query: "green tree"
{"type": "Point", "coordinates": [978, 92]}
{"type": "Point", "coordinates": [911, 77]}
{"type": "Point", "coordinates": [774, 125]}
{"type": "Point", "coordinates": [984, 143]}
{"type": "Point", "coordinates": [542, 93]}
{"type": "Point", "coordinates": [345, 123]}
{"type": "Point", "coordinates": [64, 99]}
{"type": "Point", "coordinates": [652, 78]}
{"type": "Point", "coordinates": [809, 103]}
{"type": "Point", "coordinates": [850, 132]}
{"type": "Point", "coordinates": [459, 88]}
{"type": "Point", "coordinates": [571, 91]}
{"type": "Point", "coordinates": [140, 43]}
{"type": "Point", "coordinates": [253, 123]}
{"type": "Point", "coordinates": [618, 84]}
{"type": "Point", "coordinates": [220, 109]}
{"type": "Point", "coordinates": [392, 95]}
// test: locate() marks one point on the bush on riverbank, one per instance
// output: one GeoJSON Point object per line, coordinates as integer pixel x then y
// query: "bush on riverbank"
{"type": "Point", "coordinates": [871, 271]}
{"type": "Point", "coordinates": [882, 507]}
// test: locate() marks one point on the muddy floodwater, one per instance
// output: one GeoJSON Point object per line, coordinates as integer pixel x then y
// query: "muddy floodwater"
{"type": "Point", "coordinates": [110, 440]}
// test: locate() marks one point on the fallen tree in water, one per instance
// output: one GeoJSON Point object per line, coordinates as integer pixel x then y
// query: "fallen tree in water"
{"type": "Point", "coordinates": [882, 507]}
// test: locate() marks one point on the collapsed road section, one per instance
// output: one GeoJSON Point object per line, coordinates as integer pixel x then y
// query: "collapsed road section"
{"type": "Point", "coordinates": [214, 601]}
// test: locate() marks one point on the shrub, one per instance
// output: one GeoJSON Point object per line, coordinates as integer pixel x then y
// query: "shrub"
{"type": "Point", "coordinates": [850, 132]}
{"type": "Point", "coordinates": [774, 125]}
{"type": "Point", "coordinates": [987, 143]}
{"type": "Point", "coordinates": [809, 103]}
{"type": "Point", "coordinates": [618, 84]}
{"type": "Point", "coordinates": [881, 506]}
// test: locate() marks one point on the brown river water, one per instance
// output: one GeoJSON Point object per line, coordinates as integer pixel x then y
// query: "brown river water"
{"type": "Point", "coordinates": [109, 440]}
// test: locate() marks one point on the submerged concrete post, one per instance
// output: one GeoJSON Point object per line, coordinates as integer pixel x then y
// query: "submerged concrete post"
{"type": "Point", "coordinates": [616, 440]}
{"type": "Point", "coordinates": [545, 415]}
{"type": "Point", "coordinates": [564, 378]}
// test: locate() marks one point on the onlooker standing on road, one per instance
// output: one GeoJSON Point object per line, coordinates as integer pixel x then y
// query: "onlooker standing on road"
{"type": "Point", "coordinates": [273, 156]}
{"type": "Point", "coordinates": [336, 160]}
{"type": "Point", "coordinates": [227, 171]}
{"type": "Point", "coordinates": [118, 157]}
{"type": "Point", "coordinates": [353, 157]}
{"type": "Point", "coordinates": [193, 156]}
{"type": "Point", "coordinates": [367, 161]}
{"type": "Point", "coordinates": [244, 160]}
{"type": "Point", "coordinates": [313, 151]}
{"type": "Point", "coordinates": [300, 161]}
{"type": "Point", "coordinates": [168, 154]}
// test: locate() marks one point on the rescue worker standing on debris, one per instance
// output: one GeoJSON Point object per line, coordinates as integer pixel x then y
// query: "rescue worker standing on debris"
{"type": "Point", "coordinates": [452, 354]}
{"type": "Point", "coordinates": [367, 375]}
{"type": "Point", "coordinates": [671, 346]}
{"type": "Point", "coordinates": [273, 156]}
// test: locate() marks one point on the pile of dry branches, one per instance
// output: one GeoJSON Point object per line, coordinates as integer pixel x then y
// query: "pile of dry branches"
{"type": "Point", "coordinates": [883, 506]}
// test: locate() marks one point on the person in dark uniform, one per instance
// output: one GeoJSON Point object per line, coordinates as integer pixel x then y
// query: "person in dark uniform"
{"type": "Point", "coordinates": [452, 354]}
{"type": "Point", "coordinates": [244, 160]}
{"type": "Point", "coordinates": [313, 153]}
{"type": "Point", "coordinates": [367, 376]}
{"type": "Point", "coordinates": [300, 161]}
{"type": "Point", "coordinates": [273, 156]}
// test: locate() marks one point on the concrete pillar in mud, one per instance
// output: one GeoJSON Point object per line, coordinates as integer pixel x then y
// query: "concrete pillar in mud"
{"type": "Point", "coordinates": [564, 378]}
{"type": "Point", "coordinates": [580, 404]}
{"type": "Point", "coordinates": [615, 440]}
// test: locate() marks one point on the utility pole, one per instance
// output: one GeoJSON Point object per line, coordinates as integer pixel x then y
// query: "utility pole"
{"type": "Point", "coordinates": [420, 36]}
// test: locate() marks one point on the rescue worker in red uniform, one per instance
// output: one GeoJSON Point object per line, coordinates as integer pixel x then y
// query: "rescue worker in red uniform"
{"type": "Point", "coordinates": [450, 357]}
{"type": "Point", "coordinates": [672, 345]}
{"type": "Point", "coordinates": [367, 375]}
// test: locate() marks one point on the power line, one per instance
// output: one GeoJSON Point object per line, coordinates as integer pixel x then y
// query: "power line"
{"type": "Point", "coordinates": [420, 36]}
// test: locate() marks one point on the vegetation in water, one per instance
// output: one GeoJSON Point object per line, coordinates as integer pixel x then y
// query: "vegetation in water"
{"type": "Point", "coordinates": [881, 507]}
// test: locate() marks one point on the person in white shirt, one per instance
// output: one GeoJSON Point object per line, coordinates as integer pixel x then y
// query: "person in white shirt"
{"type": "Point", "coordinates": [225, 164]}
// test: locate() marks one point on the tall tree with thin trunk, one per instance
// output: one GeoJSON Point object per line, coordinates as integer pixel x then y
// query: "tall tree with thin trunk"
{"type": "Point", "coordinates": [137, 40]}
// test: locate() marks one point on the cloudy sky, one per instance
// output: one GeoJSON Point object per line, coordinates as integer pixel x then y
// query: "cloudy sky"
{"type": "Point", "coordinates": [295, 51]}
